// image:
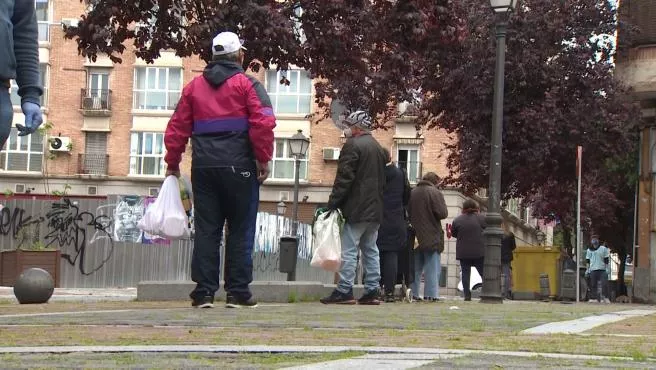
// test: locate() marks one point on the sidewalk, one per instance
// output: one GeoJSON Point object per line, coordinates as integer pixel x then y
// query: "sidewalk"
{"type": "Point", "coordinates": [80, 295]}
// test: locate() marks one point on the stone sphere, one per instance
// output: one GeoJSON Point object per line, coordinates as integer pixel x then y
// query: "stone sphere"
{"type": "Point", "coordinates": [34, 285]}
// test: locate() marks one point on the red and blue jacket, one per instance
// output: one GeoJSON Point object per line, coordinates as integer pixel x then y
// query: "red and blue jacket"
{"type": "Point", "coordinates": [229, 117]}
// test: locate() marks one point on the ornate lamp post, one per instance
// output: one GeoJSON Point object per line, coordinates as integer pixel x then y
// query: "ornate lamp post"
{"type": "Point", "coordinates": [491, 292]}
{"type": "Point", "coordinates": [298, 145]}
{"type": "Point", "coordinates": [281, 208]}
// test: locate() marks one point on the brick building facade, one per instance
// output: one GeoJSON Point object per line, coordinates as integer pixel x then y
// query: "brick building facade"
{"type": "Point", "coordinates": [108, 122]}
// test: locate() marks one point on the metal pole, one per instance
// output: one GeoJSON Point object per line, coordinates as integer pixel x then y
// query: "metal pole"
{"type": "Point", "coordinates": [579, 156]}
{"type": "Point", "coordinates": [291, 276]}
{"type": "Point", "coordinates": [491, 292]}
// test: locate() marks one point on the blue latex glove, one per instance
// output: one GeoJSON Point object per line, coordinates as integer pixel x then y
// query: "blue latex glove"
{"type": "Point", "coordinates": [33, 119]}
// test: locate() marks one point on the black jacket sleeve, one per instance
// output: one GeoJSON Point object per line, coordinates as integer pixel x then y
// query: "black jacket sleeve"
{"type": "Point", "coordinates": [346, 170]}
{"type": "Point", "coordinates": [406, 189]}
{"type": "Point", "coordinates": [26, 50]}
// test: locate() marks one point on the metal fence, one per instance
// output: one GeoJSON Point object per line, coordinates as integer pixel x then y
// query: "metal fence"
{"type": "Point", "coordinates": [102, 246]}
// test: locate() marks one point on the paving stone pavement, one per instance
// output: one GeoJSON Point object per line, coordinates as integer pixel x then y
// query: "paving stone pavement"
{"type": "Point", "coordinates": [586, 323]}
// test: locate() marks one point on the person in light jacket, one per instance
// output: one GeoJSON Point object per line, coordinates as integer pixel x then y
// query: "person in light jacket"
{"type": "Point", "coordinates": [427, 209]}
{"type": "Point", "coordinates": [470, 245]}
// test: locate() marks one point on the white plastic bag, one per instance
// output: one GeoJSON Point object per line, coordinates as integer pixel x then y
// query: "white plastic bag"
{"type": "Point", "coordinates": [166, 217]}
{"type": "Point", "coordinates": [327, 242]}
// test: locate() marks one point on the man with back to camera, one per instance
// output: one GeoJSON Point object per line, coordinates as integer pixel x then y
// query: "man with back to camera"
{"type": "Point", "coordinates": [18, 27]}
{"type": "Point", "coordinates": [358, 192]}
{"type": "Point", "coordinates": [230, 119]}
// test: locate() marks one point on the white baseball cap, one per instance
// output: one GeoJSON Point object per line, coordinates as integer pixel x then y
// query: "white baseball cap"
{"type": "Point", "coordinates": [226, 43]}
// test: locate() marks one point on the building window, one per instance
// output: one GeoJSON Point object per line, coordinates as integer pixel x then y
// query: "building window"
{"type": "Point", "coordinates": [22, 153]}
{"type": "Point", "coordinates": [147, 153]}
{"type": "Point", "coordinates": [157, 88]}
{"type": "Point", "coordinates": [408, 161]}
{"type": "Point", "coordinates": [282, 165]}
{"type": "Point", "coordinates": [43, 19]}
{"type": "Point", "coordinates": [43, 81]}
{"type": "Point", "coordinates": [293, 99]}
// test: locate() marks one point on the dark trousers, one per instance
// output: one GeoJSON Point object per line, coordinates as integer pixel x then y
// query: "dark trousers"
{"type": "Point", "coordinates": [389, 262]}
{"type": "Point", "coordinates": [466, 265]}
{"type": "Point", "coordinates": [597, 278]}
{"type": "Point", "coordinates": [220, 195]}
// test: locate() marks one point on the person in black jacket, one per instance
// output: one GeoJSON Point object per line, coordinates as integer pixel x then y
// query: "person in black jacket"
{"type": "Point", "coordinates": [358, 192]}
{"type": "Point", "coordinates": [393, 230]}
{"type": "Point", "coordinates": [508, 245]}
{"type": "Point", "coordinates": [19, 60]}
{"type": "Point", "coordinates": [470, 246]}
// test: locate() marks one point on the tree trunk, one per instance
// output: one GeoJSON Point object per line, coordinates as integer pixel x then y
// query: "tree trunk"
{"type": "Point", "coordinates": [567, 240]}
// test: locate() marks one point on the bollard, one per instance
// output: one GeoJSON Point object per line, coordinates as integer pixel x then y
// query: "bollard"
{"type": "Point", "coordinates": [288, 256]}
{"type": "Point", "coordinates": [544, 286]}
{"type": "Point", "coordinates": [34, 285]}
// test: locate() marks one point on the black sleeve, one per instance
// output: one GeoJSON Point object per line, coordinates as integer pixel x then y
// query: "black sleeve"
{"type": "Point", "coordinates": [26, 50]}
{"type": "Point", "coordinates": [346, 169]}
{"type": "Point", "coordinates": [454, 228]}
{"type": "Point", "coordinates": [406, 189]}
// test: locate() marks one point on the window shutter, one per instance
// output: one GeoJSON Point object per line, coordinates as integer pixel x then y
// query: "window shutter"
{"type": "Point", "coordinates": [96, 143]}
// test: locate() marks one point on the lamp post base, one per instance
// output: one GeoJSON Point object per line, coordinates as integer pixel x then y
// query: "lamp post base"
{"type": "Point", "coordinates": [491, 292]}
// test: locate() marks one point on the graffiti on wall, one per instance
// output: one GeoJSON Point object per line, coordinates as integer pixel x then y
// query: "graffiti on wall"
{"type": "Point", "coordinates": [67, 229]}
{"type": "Point", "coordinates": [127, 214]}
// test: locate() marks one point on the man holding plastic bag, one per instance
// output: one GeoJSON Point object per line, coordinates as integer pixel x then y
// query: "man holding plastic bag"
{"type": "Point", "coordinates": [230, 120]}
{"type": "Point", "coordinates": [358, 193]}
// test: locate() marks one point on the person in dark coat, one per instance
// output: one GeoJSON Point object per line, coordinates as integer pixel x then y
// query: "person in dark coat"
{"type": "Point", "coordinates": [470, 245]}
{"type": "Point", "coordinates": [427, 209]}
{"type": "Point", "coordinates": [508, 245]}
{"type": "Point", "coordinates": [393, 230]}
{"type": "Point", "coordinates": [358, 193]}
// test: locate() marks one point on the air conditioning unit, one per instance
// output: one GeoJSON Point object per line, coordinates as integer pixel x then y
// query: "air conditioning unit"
{"type": "Point", "coordinates": [92, 190]}
{"type": "Point", "coordinates": [60, 144]}
{"type": "Point", "coordinates": [70, 22]}
{"type": "Point", "coordinates": [19, 188]}
{"type": "Point", "coordinates": [331, 154]}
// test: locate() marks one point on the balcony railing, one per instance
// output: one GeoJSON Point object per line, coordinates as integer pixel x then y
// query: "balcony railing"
{"type": "Point", "coordinates": [96, 101]}
{"type": "Point", "coordinates": [92, 164]}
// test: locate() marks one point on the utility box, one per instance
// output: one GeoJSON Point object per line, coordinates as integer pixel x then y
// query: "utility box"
{"type": "Point", "coordinates": [288, 254]}
{"type": "Point", "coordinates": [568, 284]}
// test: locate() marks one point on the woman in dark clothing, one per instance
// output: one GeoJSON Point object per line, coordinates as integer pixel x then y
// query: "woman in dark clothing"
{"type": "Point", "coordinates": [470, 245]}
{"type": "Point", "coordinates": [508, 245]}
{"type": "Point", "coordinates": [392, 232]}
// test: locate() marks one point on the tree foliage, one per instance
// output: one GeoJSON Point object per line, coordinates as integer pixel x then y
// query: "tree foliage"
{"type": "Point", "coordinates": [560, 89]}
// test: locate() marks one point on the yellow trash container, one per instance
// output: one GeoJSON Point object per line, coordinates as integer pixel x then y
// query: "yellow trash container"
{"type": "Point", "coordinates": [527, 265]}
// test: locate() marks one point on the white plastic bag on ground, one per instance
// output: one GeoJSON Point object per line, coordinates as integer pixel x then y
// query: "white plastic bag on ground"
{"type": "Point", "coordinates": [327, 242]}
{"type": "Point", "coordinates": [166, 217]}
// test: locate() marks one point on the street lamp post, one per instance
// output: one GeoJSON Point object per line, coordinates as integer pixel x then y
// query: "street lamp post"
{"type": "Point", "coordinates": [491, 292]}
{"type": "Point", "coordinates": [298, 145]}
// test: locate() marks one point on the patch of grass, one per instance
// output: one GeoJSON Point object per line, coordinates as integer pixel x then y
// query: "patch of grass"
{"type": "Point", "coordinates": [125, 359]}
{"type": "Point", "coordinates": [303, 358]}
{"type": "Point", "coordinates": [637, 355]}
{"type": "Point", "coordinates": [593, 363]}
{"type": "Point", "coordinates": [292, 297]}
{"type": "Point", "coordinates": [477, 326]}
